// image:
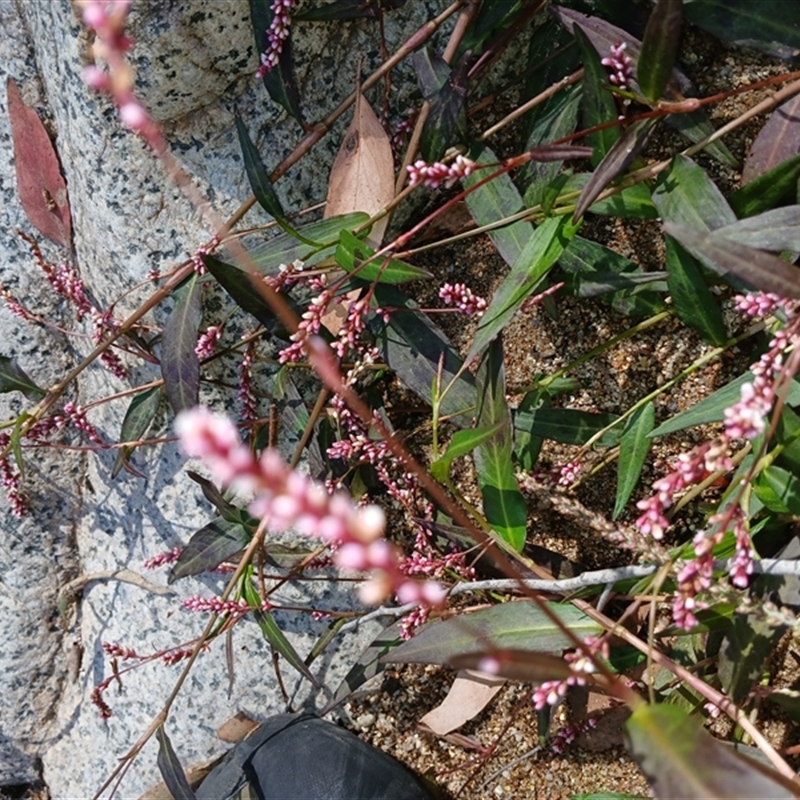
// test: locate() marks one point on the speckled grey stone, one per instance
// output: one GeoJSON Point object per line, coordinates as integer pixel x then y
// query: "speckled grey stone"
{"type": "Point", "coordinates": [194, 63]}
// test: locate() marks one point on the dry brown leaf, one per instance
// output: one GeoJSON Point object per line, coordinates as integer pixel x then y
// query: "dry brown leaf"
{"type": "Point", "coordinates": [362, 179]}
{"type": "Point", "coordinates": [237, 727]}
{"type": "Point", "coordinates": [470, 693]}
{"type": "Point", "coordinates": [362, 176]}
{"type": "Point", "coordinates": [42, 190]}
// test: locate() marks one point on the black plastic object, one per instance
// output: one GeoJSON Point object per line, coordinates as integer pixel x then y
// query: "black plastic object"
{"type": "Point", "coordinates": [303, 757]}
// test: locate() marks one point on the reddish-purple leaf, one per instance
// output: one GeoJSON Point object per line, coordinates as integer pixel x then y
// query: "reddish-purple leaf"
{"type": "Point", "coordinates": [209, 547]}
{"type": "Point", "coordinates": [778, 140]}
{"type": "Point", "coordinates": [42, 190]}
{"type": "Point", "coordinates": [515, 665]}
{"type": "Point", "coordinates": [659, 48]}
{"type": "Point", "coordinates": [180, 366]}
{"type": "Point", "coordinates": [616, 161]}
{"type": "Point", "coordinates": [759, 269]}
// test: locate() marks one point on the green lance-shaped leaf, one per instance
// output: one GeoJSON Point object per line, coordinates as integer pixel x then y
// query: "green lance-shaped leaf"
{"type": "Point", "coordinates": [541, 252]}
{"type": "Point", "coordinates": [14, 379]}
{"type": "Point", "coordinates": [776, 230]}
{"type": "Point", "coordinates": [413, 346]}
{"type": "Point", "coordinates": [352, 253]}
{"type": "Point", "coordinates": [768, 190]}
{"type": "Point", "coordinates": [497, 199]}
{"type": "Point", "coordinates": [503, 503]}
{"type": "Point", "coordinates": [287, 247]}
{"type": "Point", "coordinates": [567, 425]}
{"type": "Point", "coordinates": [509, 626]}
{"type": "Point", "coordinates": [462, 443]}
{"type": "Point", "coordinates": [180, 366]}
{"type": "Point", "coordinates": [756, 268]}
{"type": "Point", "coordinates": [616, 160]}
{"type": "Point", "coordinates": [712, 408]}
{"type": "Point", "coordinates": [170, 768]}
{"type": "Point", "coordinates": [767, 24]}
{"type": "Point", "coordinates": [633, 448]}
{"type": "Point", "coordinates": [694, 301]}
{"type": "Point", "coordinates": [280, 82]}
{"type": "Point", "coordinates": [138, 418]}
{"type": "Point", "coordinates": [659, 48]}
{"type": "Point", "coordinates": [348, 9]}
{"type": "Point", "coordinates": [682, 760]}
{"type": "Point", "coordinates": [209, 547]}
{"type": "Point", "coordinates": [272, 632]}
{"type": "Point", "coordinates": [597, 102]}
{"type": "Point", "coordinates": [686, 195]}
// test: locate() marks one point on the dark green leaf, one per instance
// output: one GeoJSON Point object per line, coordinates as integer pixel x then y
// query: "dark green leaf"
{"type": "Point", "coordinates": [659, 48]}
{"type": "Point", "coordinates": [591, 262]}
{"type": "Point", "coordinates": [496, 200]}
{"type": "Point", "coordinates": [767, 21]}
{"type": "Point", "coordinates": [369, 663]}
{"type": "Point", "coordinates": [557, 117]}
{"type": "Point", "coordinates": [773, 188]}
{"type": "Point", "coordinates": [515, 665]}
{"type": "Point", "coordinates": [462, 443]}
{"type": "Point", "coordinates": [509, 626]}
{"type": "Point", "coordinates": [273, 634]}
{"type": "Point", "coordinates": [775, 230]}
{"type": "Point", "coordinates": [209, 547]}
{"type": "Point", "coordinates": [503, 504]}
{"type": "Point", "coordinates": [633, 201]}
{"type": "Point", "coordinates": [694, 301]}
{"type": "Point", "coordinates": [446, 124]}
{"type": "Point", "coordinates": [756, 268]}
{"type": "Point", "coordinates": [492, 19]}
{"type": "Point", "coordinates": [432, 71]}
{"type": "Point", "coordinates": [138, 418]}
{"type": "Point", "coordinates": [14, 379]}
{"type": "Point", "coordinates": [597, 102]}
{"type": "Point", "coordinates": [412, 346]}
{"type": "Point", "coordinates": [567, 425]}
{"type": "Point", "coordinates": [239, 285]}
{"type": "Point", "coordinates": [633, 448]}
{"type": "Point", "coordinates": [215, 497]}
{"type": "Point", "coordinates": [682, 760]}
{"type": "Point", "coordinates": [696, 127]}
{"type": "Point", "coordinates": [776, 142]}
{"type": "Point", "coordinates": [180, 366]}
{"type": "Point", "coordinates": [712, 409]}
{"type": "Point", "coordinates": [686, 195]}
{"type": "Point", "coordinates": [352, 253]}
{"type": "Point", "coordinates": [744, 653]}
{"type": "Point", "coordinates": [615, 161]}
{"type": "Point", "coordinates": [539, 255]}
{"type": "Point", "coordinates": [170, 768]}
{"type": "Point", "coordinates": [257, 174]}
{"type": "Point", "coordinates": [294, 416]}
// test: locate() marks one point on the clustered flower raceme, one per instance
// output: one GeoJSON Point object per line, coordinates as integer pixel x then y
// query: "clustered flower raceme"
{"type": "Point", "coordinates": [286, 498]}
{"type": "Point", "coordinates": [107, 18]}
{"type": "Point", "coordinates": [163, 559]}
{"type": "Point", "coordinates": [234, 609]}
{"type": "Point", "coordinates": [746, 419]}
{"type": "Point", "coordinates": [11, 480]}
{"type": "Point", "coordinates": [463, 298]}
{"type": "Point", "coordinates": [621, 65]}
{"type": "Point", "coordinates": [550, 693]}
{"type": "Point", "coordinates": [277, 34]}
{"type": "Point", "coordinates": [208, 341]}
{"type": "Point", "coordinates": [438, 174]}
